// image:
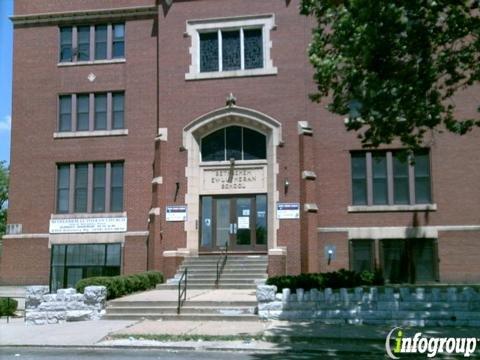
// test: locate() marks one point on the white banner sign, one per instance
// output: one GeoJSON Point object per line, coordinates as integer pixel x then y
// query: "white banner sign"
{"type": "Point", "coordinates": [88, 225]}
{"type": "Point", "coordinates": [176, 213]}
{"type": "Point", "coordinates": [288, 211]}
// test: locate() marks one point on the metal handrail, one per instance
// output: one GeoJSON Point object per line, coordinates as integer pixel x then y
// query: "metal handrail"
{"type": "Point", "coordinates": [221, 264]}
{"type": "Point", "coordinates": [182, 293]}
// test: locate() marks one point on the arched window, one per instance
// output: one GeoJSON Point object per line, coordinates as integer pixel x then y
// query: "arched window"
{"type": "Point", "coordinates": [235, 142]}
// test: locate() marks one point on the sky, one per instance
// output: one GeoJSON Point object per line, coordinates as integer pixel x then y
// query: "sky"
{"type": "Point", "coordinates": [6, 40]}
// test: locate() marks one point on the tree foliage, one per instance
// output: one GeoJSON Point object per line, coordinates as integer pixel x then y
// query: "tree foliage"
{"type": "Point", "coordinates": [3, 197]}
{"type": "Point", "coordinates": [392, 67]}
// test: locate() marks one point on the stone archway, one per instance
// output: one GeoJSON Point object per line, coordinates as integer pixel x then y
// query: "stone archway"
{"type": "Point", "coordinates": [197, 172]}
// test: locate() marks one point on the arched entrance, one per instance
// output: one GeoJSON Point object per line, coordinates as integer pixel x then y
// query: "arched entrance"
{"type": "Point", "coordinates": [232, 170]}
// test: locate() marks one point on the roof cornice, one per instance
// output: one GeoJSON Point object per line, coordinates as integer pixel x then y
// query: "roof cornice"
{"type": "Point", "coordinates": [126, 13]}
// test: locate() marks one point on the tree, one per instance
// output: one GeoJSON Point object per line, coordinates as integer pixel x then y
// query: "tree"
{"type": "Point", "coordinates": [392, 67]}
{"type": "Point", "coordinates": [3, 197]}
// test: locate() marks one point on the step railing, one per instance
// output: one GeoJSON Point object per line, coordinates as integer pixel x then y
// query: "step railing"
{"type": "Point", "coordinates": [182, 291]}
{"type": "Point", "coordinates": [221, 265]}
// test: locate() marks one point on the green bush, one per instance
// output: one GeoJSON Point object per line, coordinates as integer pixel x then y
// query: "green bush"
{"type": "Point", "coordinates": [335, 280]}
{"type": "Point", "coordinates": [8, 306]}
{"type": "Point", "coordinates": [118, 286]}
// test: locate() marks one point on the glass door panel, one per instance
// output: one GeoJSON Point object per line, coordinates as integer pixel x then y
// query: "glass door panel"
{"type": "Point", "coordinates": [261, 220]}
{"type": "Point", "coordinates": [243, 221]}
{"type": "Point", "coordinates": [223, 224]}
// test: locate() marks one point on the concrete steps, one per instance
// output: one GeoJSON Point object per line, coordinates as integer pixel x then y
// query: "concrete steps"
{"type": "Point", "coordinates": [240, 272]}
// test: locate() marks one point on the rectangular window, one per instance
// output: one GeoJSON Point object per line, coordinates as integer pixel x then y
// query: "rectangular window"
{"type": "Point", "coordinates": [83, 111]}
{"type": "Point", "coordinates": [89, 187]}
{"type": "Point", "coordinates": [362, 255]}
{"type": "Point", "coordinates": [359, 179]}
{"type": "Point", "coordinates": [101, 42]}
{"type": "Point", "coordinates": [81, 187]}
{"type": "Point", "coordinates": [66, 48]}
{"type": "Point", "coordinates": [401, 190]}
{"type": "Point", "coordinates": [99, 180]}
{"type": "Point", "coordinates": [388, 178]}
{"type": "Point", "coordinates": [422, 178]}
{"type": "Point", "coordinates": [253, 44]}
{"type": "Point", "coordinates": [100, 111]}
{"type": "Point", "coordinates": [100, 116]}
{"type": "Point", "coordinates": [118, 46]}
{"type": "Point", "coordinates": [116, 202]}
{"type": "Point", "coordinates": [208, 52]}
{"type": "Point", "coordinates": [108, 42]}
{"type": "Point", "coordinates": [63, 188]}
{"type": "Point", "coordinates": [409, 260]}
{"type": "Point", "coordinates": [83, 43]}
{"type": "Point", "coordinates": [65, 116]}
{"type": "Point", "coordinates": [71, 263]}
{"type": "Point", "coordinates": [231, 57]}
{"type": "Point", "coordinates": [118, 100]}
{"type": "Point", "coordinates": [241, 49]}
{"type": "Point", "coordinates": [379, 179]}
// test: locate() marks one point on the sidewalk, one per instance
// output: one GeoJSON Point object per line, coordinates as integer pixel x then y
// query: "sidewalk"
{"type": "Point", "coordinates": [255, 336]}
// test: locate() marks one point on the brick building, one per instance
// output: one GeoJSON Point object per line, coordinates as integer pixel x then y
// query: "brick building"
{"type": "Point", "coordinates": [148, 131]}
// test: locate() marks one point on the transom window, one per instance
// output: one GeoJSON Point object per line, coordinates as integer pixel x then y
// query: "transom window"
{"type": "Point", "coordinates": [388, 178]}
{"type": "Point", "coordinates": [234, 142]}
{"type": "Point", "coordinates": [92, 42]}
{"type": "Point", "coordinates": [237, 46]}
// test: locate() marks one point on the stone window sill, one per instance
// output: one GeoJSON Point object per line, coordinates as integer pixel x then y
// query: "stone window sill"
{"type": "Point", "coordinates": [94, 62]}
{"type": "Point", "coordinates": [96, 133]}
{"type": "Point", "coordinates": [231, 74]}
{"type": "Point", "coordinates": [88, 215]}
{"type": "Point", "coordinates": [237, 163]}
{"type": "Point", "coordinates": [391, 208]}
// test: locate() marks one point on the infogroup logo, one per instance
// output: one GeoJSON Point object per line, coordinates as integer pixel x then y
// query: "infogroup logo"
{"type": "Point", "coordinates": [430, 346]}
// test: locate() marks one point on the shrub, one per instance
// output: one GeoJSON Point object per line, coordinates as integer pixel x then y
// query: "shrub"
{"type": "Point", "coordinates": [8, 306]}
{"type": "Point", "coordinates": [118, 286]}
{"type": "Point", "coordinates": [335, 280]}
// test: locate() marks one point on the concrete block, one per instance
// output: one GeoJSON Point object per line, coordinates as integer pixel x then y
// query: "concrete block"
{"type": "Point", "coordinates": [405, 294]}
{"type": "Point", "coordinates": [56, 317]}
{"type": "Point", "coordinates": [78, 315]}
{"type": "Point", "coordinates": [286, 295]}
{"type": "Point", "coordinates": [34, 296]}
{"type": "Point", "coordinates": [266, 293]}
{"type": "Point", "coordinates": [35, 317]}
{"type": "Point", "coordinates": [358, 294]}
{"type": "Point", "coordinates": [452, 294]}
{"type": "Point", "coordinates": [278, 297]}
{"type": "Point", "coordinates": [300, 294]}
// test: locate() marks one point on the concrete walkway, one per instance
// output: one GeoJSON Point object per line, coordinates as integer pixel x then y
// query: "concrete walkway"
{"type": "Point", "coordinates": [192, 295]}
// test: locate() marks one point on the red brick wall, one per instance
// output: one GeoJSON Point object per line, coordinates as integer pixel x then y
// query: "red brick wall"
{"type": "Point", "coordinates": [135, 255]}
{"type": "Point", "coordinates": [25, 262]}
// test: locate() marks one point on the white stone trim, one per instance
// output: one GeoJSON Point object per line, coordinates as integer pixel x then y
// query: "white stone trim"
{"type": "Point", "coordinates": [266, 21]}
{"type": "Point", "coordinates": [392, 208]}
{"type": "Point", "coordinates": [162, 134]}
{"type": "Point", "coordinates": [176, 253]}
{"type": "Point", "coordinates": [158, 180]}
{"type": "Point", "coordinates": [309, 175]}
{"type": "Point", "coordinates": [310, 207]}
{"type": "Point", "coordinates": [216, 119]}
{"type": "Point", "coordinates": [154, 211]}
{"type": "Point", "coordinates": [279, 251]}
{"type": "Point", "coordinates": [397, 232]}
{"type": "Point", "coordinates": [97, 238]}
{"type": "Point", "coordinates": [137, 233]}
{"type": "Point", "coordinates": [95, 133]}
{"type": "Point", "coordinates": [26, 236]}
{"type": "Point", "coordinates": [94, 62]}
{"type": "Point", "coordinates": [88, 215]}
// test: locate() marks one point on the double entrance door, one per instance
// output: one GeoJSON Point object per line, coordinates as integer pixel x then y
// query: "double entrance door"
{"type": "Point", "coordinates": [239, 221]}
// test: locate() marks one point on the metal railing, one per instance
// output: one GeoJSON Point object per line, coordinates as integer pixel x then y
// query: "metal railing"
{"type": "Point", "coordinates": [221, 264]}
{"type": "Point", "coordinates": [182, 292]}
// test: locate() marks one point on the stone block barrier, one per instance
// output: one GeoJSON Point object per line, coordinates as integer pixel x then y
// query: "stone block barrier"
{"type": "Point", "coordinates": [397, 307]}
{"type": "Point", "coordinates": [66, 305]}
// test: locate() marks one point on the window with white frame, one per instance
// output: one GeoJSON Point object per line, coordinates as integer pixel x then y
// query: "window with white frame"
{"type": "Point", "coordinates": [230, 47]}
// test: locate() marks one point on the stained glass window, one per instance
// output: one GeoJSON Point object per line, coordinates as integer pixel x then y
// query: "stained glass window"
{"type": "Point", "coordinates": [253, 47]}
{"type": "Point", "coordinates": [208, 52]}
{"type": "Point", "coordinates": [231, 58]}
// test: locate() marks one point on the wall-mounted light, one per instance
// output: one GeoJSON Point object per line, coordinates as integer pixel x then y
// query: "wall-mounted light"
{"type": "Point", "coordinates": [286, 184]}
